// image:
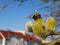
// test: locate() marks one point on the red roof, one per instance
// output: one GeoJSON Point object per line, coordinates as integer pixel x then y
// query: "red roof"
{"type": "Point", "coordinates": [31, 38]}
{"type": "Point", "coordinates": [0, 37]}
{"type": "Point", "coordinates": [9, 33]}
{"type": "Point", "coordinates": [26, 37]}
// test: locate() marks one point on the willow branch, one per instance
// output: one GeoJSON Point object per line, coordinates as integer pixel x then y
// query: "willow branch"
{"type": "Point", "coordinates": [54, 33]}
{"type": "Point", "coordinates": [53, 42]}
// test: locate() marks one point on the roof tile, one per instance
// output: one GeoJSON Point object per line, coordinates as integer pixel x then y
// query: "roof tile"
{"type": "Point", "coordinates": [9, 33]}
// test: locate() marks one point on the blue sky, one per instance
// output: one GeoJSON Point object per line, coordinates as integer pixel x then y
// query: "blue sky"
{"type": "Point", "coordinates": [14, 17]}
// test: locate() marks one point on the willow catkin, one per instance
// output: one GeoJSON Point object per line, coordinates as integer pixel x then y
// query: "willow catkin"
{"type": "Point", "coordinates": [50, 24]}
